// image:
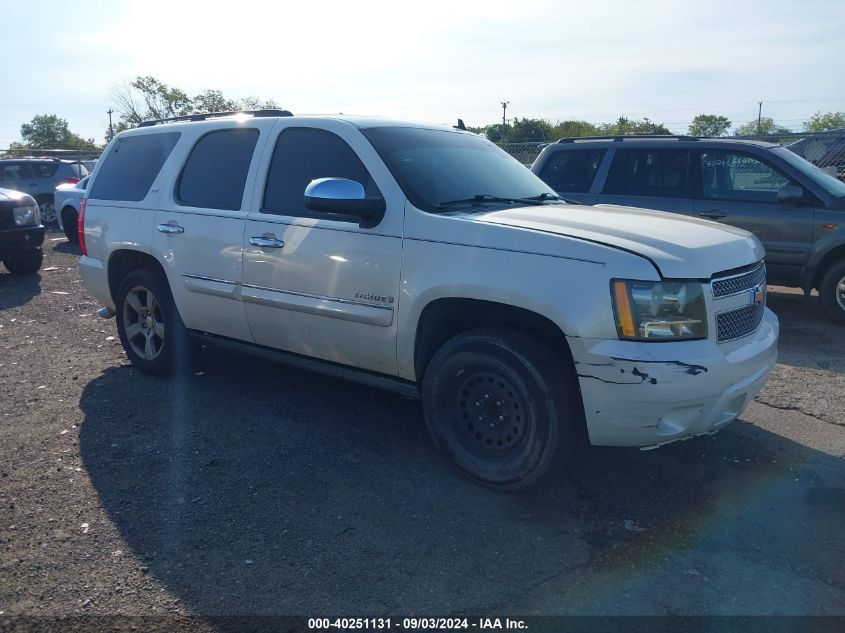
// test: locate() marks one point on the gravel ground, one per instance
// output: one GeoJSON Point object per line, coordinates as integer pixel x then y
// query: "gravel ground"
{"type": "Point", "coordinates": [253, 489]}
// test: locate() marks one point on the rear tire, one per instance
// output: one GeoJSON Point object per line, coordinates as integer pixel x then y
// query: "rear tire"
{"type": "Point", "coordinates": [149, 325]}
{"type": "Point", "coordinates": [502, 408]}
{"type": "Point", "coordinates": [24, 262]}
{"type": "Point", "coordinates": [832, 292]}
{"type": "Point", "coordinates": [70, 220]}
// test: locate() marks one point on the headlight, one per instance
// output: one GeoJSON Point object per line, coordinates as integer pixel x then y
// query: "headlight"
{"type": "Point", "coordinates": [659, 311]}
{"type": "Point", "coordinates": [25, 216]}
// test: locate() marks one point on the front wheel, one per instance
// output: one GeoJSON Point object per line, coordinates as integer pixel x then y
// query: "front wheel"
{"type": "Point", "coordinates": [832, 292]}
{"type": "Point", "coordinates": [24, 262]}
{"type": "Point", "coordinates": [501, 408]}
{"type": "Point", "coordinates": [149, 325]}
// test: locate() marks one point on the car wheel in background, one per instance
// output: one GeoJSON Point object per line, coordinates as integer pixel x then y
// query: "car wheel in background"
{"type": "Point", "coordinates": [24, 262]}
{"type": "Point", "coordinates": [69, 223]}
{"type": "Point", "coordinates": [149, 325]}
{"type": "Point", "coordinates": [48, 210]}
{"type": "Point", "coordinates": [832, 292]}
{"type": "Point", "coordinates": [501, 408]}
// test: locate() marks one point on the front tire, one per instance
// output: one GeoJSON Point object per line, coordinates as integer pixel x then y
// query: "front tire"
{"type": "Point", "coordinates": [70, 220]}
{"type": "Point", "coordinates": [832, 292]}
{"type": "Point", "coordinates": [149, 325]}
{"type": "Point", "coordinates": [25, 262]}
{"type": "Point", "coordinates": [502, 408]}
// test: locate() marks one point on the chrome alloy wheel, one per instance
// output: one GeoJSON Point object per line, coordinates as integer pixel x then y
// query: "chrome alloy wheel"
{"type": "Point", "coordinates": [143, 323]}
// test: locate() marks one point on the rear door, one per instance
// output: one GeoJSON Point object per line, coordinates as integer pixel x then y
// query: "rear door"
{"type": "Point", "coordinates": [200, 223]}
{"type": "Point", "coordinates": [741, 189]}
{"type": "Point", "coordinates": [323, 286]}
{"type": "Point", "coordinates": [571, 172]}
{"type": "Point", "coordinates": [650, 178]}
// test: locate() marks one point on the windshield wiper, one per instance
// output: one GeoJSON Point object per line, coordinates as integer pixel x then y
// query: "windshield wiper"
{"type": "Point", "coordinates": [481, 197]}
{"type": "Point", "coordinates": [552, 197]}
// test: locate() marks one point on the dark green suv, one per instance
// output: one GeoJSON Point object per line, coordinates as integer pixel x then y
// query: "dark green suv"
{"type": "Point", "coordinates": [794, 208]}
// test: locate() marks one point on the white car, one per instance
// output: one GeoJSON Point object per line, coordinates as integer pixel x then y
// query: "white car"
{"type": "Point", "coordinates": [427, 261]}
{"type": "Point", "coordinates": [67, 199]}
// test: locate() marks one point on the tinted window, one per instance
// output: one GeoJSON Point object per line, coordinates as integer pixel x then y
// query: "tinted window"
{"type": "Point", "coordinates": [305, 154]}
{"type": "Point", "coordinates": [16, 171]}
{"type": "Point", "coordinates": [131, 166]}
{"type": "Point", "coordinates": [44, 170]}
{"type": "Point", "coordinates": [215, 174]}
{"type": "Point", "coordinates": [736, 176]}
{"type": "Point", "coordinates": [648, 172]}
{"type": "Point", "coordinates": [572, 171]}
{"type": "Point", "coordinates": [437, 166]}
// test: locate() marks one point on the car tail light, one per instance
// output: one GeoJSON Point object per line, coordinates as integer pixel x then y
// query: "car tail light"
{"type": "Point", "coordinates": [80, 225]}
{"type": "Point", "coordinates": [72, 180]}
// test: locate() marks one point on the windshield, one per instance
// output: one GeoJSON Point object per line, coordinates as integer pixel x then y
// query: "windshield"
{"type": "Point", "coordinates": [832, 185]}
{"type": "Point", "coordinates": [435, 167]}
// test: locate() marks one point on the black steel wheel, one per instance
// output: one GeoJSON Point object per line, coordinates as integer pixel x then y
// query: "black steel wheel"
{"type": "Point", "coordinates": [502, 409]}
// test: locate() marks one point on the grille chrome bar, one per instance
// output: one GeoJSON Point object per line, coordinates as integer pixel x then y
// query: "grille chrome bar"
{"type": "Point", "coordinates": [734, 284]}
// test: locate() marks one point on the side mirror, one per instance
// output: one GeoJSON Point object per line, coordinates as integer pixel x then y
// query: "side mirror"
{"type": "Point", "coordinates": [340, 196]}
{"type": "Point", "coordinates": [790, 194]}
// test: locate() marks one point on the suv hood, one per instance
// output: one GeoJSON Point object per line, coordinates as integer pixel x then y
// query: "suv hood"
{"type": "Point", "coordinates": [681, 247]}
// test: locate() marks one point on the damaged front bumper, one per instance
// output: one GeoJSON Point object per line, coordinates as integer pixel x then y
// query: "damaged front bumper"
{"type": "Point", "coordinates": [647, 394]}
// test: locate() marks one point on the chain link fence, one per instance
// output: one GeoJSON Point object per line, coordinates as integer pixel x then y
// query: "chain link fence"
{"type": "Point", "coordinates": [826, 150]}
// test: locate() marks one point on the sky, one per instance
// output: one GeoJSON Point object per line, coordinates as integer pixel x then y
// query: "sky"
{"type": "Point", "coordinates": [432, 61]}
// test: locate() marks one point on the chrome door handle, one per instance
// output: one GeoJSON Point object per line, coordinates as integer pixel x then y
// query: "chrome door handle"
{"type": "Point", "coordinates": [263, 241]}
{"type": "Point", "coordinates": [715, 214]}
{"type": "Point", "coordinates": [170, 229]}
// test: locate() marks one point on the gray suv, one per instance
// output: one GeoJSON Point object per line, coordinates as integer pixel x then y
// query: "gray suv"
{"type": "Point", "coordinates": [39, 178]}
{"type": "Point", "coordinates": [794, 208]}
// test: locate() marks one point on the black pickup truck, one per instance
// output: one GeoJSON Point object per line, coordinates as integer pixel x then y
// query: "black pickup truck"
{"type": "Point", "coordinates": [21, 232]}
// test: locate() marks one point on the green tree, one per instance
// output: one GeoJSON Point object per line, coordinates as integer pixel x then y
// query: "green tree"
{"type": "Point", "coordinates": [524, 130]}
{"type": "Point", "coordinates": [147, 98]}
{"type": "Point", "coordinates": [709, 125]}
{"type": "Point", "coordinates": [567, 129]}
{"type": "Point", "coordinates": [48, 131]}
{"type": "Point", "coordinates": [822, 122]}
{"type": "Point", "coordinates": [767, 126]}
{"type": "Point", "coordinates": [624, 126]}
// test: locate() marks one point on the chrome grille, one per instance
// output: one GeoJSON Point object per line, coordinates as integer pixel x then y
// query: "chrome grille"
{"type": "Point", "coordinates": [725, 286]}
{"type": "Point", "coordinates": [738, 323]}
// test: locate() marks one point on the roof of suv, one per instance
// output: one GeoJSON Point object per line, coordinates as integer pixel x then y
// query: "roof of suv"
{"type": "Point", "coordinates": [662, 138]}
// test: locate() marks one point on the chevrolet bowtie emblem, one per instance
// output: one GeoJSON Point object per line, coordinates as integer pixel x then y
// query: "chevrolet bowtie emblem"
{"type": "Point", "coordinates": [758, 295]}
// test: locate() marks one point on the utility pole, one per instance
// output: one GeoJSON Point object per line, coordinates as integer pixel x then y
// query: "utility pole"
{"type": "Point", "coordinates": [504, 119]}
{"type": "Point", "coordinates": [760, 117]}
{"type": "Point", "coordinates": [111, 127]}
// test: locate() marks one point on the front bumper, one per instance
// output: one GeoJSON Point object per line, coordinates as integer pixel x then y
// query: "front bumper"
{"type": "Point", "coordinates": [645, 394]}
{"type": "Point", "coordinates": [17, 239]}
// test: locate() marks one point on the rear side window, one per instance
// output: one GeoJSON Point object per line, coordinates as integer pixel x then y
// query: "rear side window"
{"type": "Point", "coordinates": [131, 166]}
{"type": "Point", "coordinates": [649, 172]}
{"type": "Point", "coordinates": [45, 170]}
{"type": "Point", "coordinates": [572, 171]}
{"type": "Point", "coordinates": [305, 154]}
{"type": "Point", "coordinates": [215, 173]}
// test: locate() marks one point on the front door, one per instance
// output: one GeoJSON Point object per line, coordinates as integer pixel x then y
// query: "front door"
{"type": "Point", "coordinates": [741, 189]}
{"type": "Point", "coordinates": [323, 286]}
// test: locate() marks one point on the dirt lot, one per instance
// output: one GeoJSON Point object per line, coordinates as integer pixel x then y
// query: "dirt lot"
{"type": "Point", "coordinates": [250, 488]}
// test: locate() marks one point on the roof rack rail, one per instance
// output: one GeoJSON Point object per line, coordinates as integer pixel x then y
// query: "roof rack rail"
{"type": "Point", "coordinates": [622, 137]}
{"type": "Point", "coordinates": [202, 116]}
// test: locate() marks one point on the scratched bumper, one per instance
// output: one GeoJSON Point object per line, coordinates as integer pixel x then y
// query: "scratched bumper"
{"type": "Point", "coordinates": [644, 394]}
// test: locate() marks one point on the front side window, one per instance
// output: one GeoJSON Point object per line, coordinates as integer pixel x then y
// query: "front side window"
{"type": "Point", "coordinates": [649, 172]}
{"type": "Point", "coordinates": [572, 171]}
{"type": "Point", "coordinates": [215, 173]}
{"type": "Point", "coordinates": [434, 167]}
{"type": "Point", "coordinates": [131, 166]}
{"type": "Point", "coordinates": [740, 177]}
{"type": "Point", "coordinates": [305, 154]}
{"type": "Point", "coordinates": [16, 171]}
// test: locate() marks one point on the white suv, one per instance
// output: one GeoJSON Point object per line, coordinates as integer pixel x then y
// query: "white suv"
{"type": "Point", "coordinates": [426, 260]}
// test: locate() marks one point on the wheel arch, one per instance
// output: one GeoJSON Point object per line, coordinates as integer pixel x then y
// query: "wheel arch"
{"type": "Point", "coordinates": [835, 254]}
{"type": "Point", "coordinates": [443, 318]}
{"type": "Point", "coordinates": [123, 261]}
